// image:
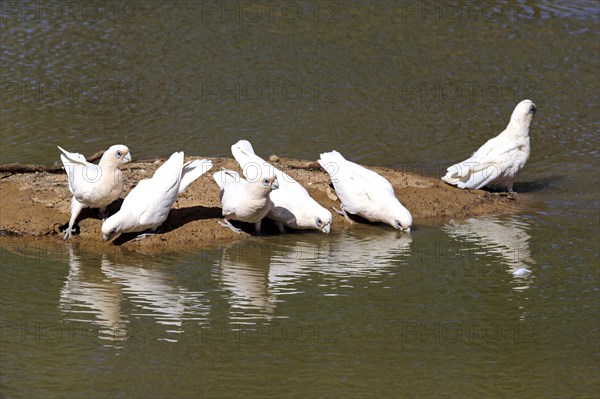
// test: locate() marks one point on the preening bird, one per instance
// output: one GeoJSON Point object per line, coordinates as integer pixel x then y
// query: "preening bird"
{"type": "Point", "coordinates": [496, 163]}
{"type": "Point", "coordinates": [365, 193]}
{"type": "Point", "coordinates": [94, 186]}
{"type": "Point", "coordinates": [292, 205]}
{"type": "Point", "coordinates": [244, 200]}
{"type": "Point", "coordinates": [149, 203]}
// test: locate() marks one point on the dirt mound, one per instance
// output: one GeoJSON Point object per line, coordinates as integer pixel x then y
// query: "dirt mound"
{"type": "Point", "coordinates": [38, 205]}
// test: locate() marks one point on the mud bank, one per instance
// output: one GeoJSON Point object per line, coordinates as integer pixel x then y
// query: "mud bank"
{"type": "Point", "coordinates": [38, 205]}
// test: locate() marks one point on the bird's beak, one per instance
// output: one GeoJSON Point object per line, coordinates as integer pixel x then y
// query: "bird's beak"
{"type": "Point", "coordinates": [533, 110]}
{"type": "Point", "coordinates": [127, 157]}
{"type": "Point", "coordinates": [406, 229]}
{"type": "Point", "coordinates": [105, 237]}
{"type": "Point", "coordinates": [325, 229]}
{"type": "Point", "coordinates": [275, 184]}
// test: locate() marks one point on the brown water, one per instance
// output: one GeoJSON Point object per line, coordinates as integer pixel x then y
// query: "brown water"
{"type": "Point", "coordinates": [362, 313]}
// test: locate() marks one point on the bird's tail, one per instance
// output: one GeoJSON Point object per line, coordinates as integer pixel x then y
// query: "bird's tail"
{"type": "Point", "coordinates": [193, 170]}
{"type": "Point", "coordinates": [72, 158]}
{"type": "Point", "coordinates": [243, 152]}
{"type": "Point", "coordinates": [329, 159]}
{"type": "Point", "coordinates": [169, 173]}
{"type": "Point", "coordinates": [225, 177]}
{"type": "Point", "coordinates": [471, 174]}
{"type": "Point", "coordinates": [253, 167]}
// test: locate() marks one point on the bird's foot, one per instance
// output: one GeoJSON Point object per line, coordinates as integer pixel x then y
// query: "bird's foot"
{"type": "Point", "coordinates": [140, 237]}
{"type": "Point", "coordinates": [343, 213]}
{"type": "Point", "coordinates": [67, 234]}
{"type": "Point", "coordinates": [257, 228]}
{"type": "Point", "coordinates": [281, 227]}
{"type": "Point", "coordinates": [103, 213]}
{"type": "Point", "coordinates": [337, 211]}
{"type": "Point", "coordinates": [511, 195]}
{"type": "Point", "coordinates": [231, 227]}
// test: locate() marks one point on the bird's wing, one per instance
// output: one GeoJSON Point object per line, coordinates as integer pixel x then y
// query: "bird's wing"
{"type": "Point", "coordinates": [139, 197]}
{"type": "Point", "coordinates": [149, 203]}
{"type": "Point", "coordinates": [290, 186]}
{"type": "Point", "coordinates": [485, 165]}
{"type": "Point", "coordinates": [373, 178]}
{"type": "Point", "coordinates": [495, 147]}
{"type": "Point", "coordinates": [138, 203]}
{"type": "Point", "coordinates": [81, 173]}
{"type": "Point", "coordinates": [168, 175]}
{"type": "Point", "coordinates": [193, 170]}
{"type": "Point", "coordinates": [350, 185]}
{"type": "Point", "coordinates": [232, 195]}
{"type": "Point", "coordinates": [336, 165]}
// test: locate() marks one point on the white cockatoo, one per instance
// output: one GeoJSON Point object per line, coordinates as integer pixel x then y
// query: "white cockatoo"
{"type": "Point", "coordinates": [245, 200]}
{"type": "Point", "coordinates": [365, 193]}
{"type": "Point", "coordinates": [496, 163]}
{"type": "Point", "coordinates": [147, 206]}
{"type": "Point", "coordinates": [94, 186]}
{"type": "Point", "coordinates": [292, 205]}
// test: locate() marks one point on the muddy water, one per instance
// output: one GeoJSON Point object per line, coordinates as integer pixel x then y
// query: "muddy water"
{"type": "Point", "coordinates": [365, 312]}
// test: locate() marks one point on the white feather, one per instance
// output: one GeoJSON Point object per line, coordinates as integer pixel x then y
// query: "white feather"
{"type": "Point", "coordinates": [292, 204]}
{"type": "Point", "coordinates": [365, 193]}
{"type": "Point", "coordinates": [93, 186]}
{"type": "Point", "coordinates": [500, 159]}
{"type": "Point", "coordinates": [148, 205]}
{"type": "Point", "coordinates": [243, 200]}
{"type": "Point", "coordinates": [193, 170]}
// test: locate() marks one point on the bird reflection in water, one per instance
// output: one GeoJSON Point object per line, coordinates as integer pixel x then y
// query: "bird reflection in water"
{"type": "Point", "coordinates": [87, 295]}
{"type": "Point", "coordinates": [97, 288]}
{"type": "Point", "coordinates": [504, 238]}
{"type": "Point", "coordinates": [257, 275]}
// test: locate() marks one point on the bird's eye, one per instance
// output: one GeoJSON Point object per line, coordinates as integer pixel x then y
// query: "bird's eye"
{"type": "Point", "coordinates": [266, 182]}
{"type": "Point", "coordinates": [119, 154]}
{"type": "Point", "coordinates": [113, 231]}
{"type": "Point", "coordinates": [398, 225]}
{"type": "Point", "coordinates": [532, 109]}
{"type": "Point", "coordinates": [319, 222]}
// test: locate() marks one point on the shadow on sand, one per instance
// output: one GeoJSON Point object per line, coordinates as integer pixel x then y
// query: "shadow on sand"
{"type": "Point", "coordinates": [177, 218]}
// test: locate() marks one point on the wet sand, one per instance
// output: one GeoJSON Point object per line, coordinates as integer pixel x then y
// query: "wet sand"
{"type": "Point", "coordinates": [37, 205]}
